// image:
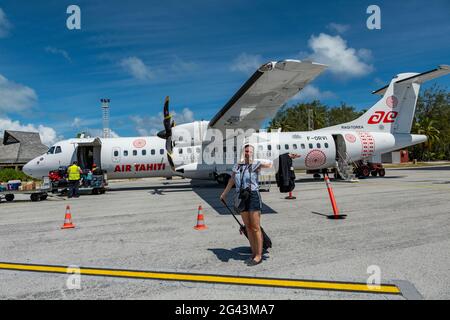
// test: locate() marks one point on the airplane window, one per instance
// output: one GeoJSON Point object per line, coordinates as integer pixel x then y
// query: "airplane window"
{"type": "Point", "coordinates": [278, 147]}
{"type": "Point", "coordinates": [286, 146]}
{"type": "Point", "coordinates": [144, 152]}
{"type": "Point", "coordinates": [269, 147]}
{"type": "Point", "coordinates": [58, 149]}
{"type": "Point", "coordinates": [234, 148]}
{"type": "Point", "coordinates": [224, 149]}
{"type": "Point", "coordinates": [153, 152]}
{"type": "Point", "coordinates": [311, 146]}
{"type": "Point", "coordinates": [51, 150]}
{"type": "Point", "coordinates": [189, 150]}
{"type": "Point", "coordinates": [116, 153]}
{"type": "Point", "coordinates": [134, 152]}
{"type": "Point", "coordinates": [125, 153]}
{"type": "Point", "coordinates": [294, 146]}
{"type": "Point", "coordinates": [303, 146]}
{"type": "Point", "coordinates": [161, 151]}
{"type": "Point", "coordinates": [180, 151]}
{"type": "Point", "coordinates": [326, 145]}
{"type": "Point", "coordinates": [318, 145]}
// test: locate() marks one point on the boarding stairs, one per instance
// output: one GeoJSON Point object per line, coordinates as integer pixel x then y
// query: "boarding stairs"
{"type": "Point", "coordinates": [344, 167]}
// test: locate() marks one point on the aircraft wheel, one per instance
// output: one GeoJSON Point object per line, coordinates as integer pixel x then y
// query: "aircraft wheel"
{"type": "Point", "coordinates": [374, 173]}
{"type": "Point", "coordinates": [35, 197]}
{"type": "Point", "coordinates": [382, 172]}
{"type": "Point", "coordinates": [43, 197]}
{"type": "Point", "coordinates": [9, 197]}
{"type": "Point", "coordinates": [365, 171]}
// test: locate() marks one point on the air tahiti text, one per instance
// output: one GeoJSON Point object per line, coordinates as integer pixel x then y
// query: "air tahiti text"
{"type": "Point", "coordinates": [140, 167]}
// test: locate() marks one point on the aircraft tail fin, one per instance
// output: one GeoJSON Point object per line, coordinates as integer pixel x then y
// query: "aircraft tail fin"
{"type": "Point", "coordinates": [394, 112]}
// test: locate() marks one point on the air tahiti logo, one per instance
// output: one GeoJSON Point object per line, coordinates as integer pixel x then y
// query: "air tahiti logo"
{"type": "Point", "coordinates": [350, 138]}
{"type": "Point", "coordinates": [386, 117]}
{"type": "Point", "coordinates": [391, 101]}
{"type": "Point", "coordinates": [139, 143]}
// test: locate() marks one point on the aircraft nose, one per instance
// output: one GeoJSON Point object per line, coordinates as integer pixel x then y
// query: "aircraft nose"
{"type": "Point", "coordinates": [28, 169]}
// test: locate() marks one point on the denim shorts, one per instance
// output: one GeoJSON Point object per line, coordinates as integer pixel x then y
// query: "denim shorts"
{"type": "Point", "coordinates": [253, 203]}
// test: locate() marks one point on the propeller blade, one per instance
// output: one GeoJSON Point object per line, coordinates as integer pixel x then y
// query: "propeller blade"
{"type": "Point", "coordinates": [167, 134]}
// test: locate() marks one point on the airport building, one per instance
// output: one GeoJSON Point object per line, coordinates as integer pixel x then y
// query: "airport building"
{"type": "Point", "coordinates": [19, 147]}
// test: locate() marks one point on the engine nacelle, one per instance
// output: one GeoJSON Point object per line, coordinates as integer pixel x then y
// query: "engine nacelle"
{"type": "Point", "coordinates": [189, 134]}
{"type": "Point", "coordinates": [196, 171]}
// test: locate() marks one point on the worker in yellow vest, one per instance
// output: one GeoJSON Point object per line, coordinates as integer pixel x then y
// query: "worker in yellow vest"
{"type": "Point", "coordinates": [74, 173]}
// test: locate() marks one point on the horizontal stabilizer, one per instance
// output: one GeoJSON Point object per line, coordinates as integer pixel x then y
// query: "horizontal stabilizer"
{"type": "Point", "coordinates": [420, 77]}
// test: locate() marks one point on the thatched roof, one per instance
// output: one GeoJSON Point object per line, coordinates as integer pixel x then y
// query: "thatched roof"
{"type": "Point", "coordinates": [19, 147]}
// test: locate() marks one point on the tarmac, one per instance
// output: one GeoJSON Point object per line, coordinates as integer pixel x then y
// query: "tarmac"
{"type": "Point", "coordinates": [397, 227]}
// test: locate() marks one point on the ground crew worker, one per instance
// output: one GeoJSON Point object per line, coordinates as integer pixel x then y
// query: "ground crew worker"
{"type": "Point", "coordinates": [74, 172]}
{"type": "Point", "coordinates": [96, 170]}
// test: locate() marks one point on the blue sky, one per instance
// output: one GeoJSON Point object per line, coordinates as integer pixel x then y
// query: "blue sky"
{"type": "Point", "coordinates": [199, 53]}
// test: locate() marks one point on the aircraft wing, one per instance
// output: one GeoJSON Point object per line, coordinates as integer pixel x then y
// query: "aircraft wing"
{"type": "Point", "coordinates": [265, 93]}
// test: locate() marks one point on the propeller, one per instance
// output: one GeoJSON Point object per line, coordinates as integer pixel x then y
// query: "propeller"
{"type": "Point", "coordinates": [167, 132]}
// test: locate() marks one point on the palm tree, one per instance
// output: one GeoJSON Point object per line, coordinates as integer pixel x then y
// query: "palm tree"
{"type": "Point", "coordinates": [426, 127]}
{"type": "Point", "coordinates": [280, 124]}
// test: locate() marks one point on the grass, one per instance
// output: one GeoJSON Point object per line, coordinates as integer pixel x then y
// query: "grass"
{"type": "Point", "coordinates": [11, 174]}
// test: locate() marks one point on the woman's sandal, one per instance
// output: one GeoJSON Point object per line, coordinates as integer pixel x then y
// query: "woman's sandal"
{"type": "Point", "coordinates": [252, 262]}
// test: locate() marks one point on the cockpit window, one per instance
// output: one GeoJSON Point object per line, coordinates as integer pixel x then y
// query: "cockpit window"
{"type": "Point", "coordinates": [58, 149]}
{"type": "Point", "coordinates": [51, 150]}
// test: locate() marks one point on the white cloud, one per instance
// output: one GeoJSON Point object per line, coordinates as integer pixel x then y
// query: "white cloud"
{"type": "Point", "coordinates": [76, 122]}
{"type": "Point", "coordinates": [15, 97]}
{"type": "Point", "coordinates": [48, 135]}
{"type": "Point", "coordinates": [5, 25]}
{"type": "Point", "coordinates": [137, 68]}
{"type": "Point", "coordinates": [311, 92]}
{"type": "Point", "coordinates": [148, 126]}
{"type": "Point", "coordinates": [337, 27]}
{"type": "Point", "coordinates": [247, 63]}
{"type": "Point", "coordinates": [54, 50]}
{"type": "Point", "coordinates": [342, 60]}
{"type": "Point", "coordinates": [180, 65]}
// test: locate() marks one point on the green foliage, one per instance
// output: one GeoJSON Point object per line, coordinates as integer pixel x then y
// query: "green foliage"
{"type": "Point", "coordinates": [432, 118]}
{"type": "Point", "coordinates": [11, 174]}
{"type": "Point", "coordinates": [295, 118]}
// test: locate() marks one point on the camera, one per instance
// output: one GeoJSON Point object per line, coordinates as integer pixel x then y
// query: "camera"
{"type": "Point", "coordinates": [244, 194]}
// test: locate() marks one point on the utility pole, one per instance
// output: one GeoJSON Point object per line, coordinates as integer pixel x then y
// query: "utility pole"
{"type": "Point", "coordinates": [310, 119]}
{"type": "Point", "coordinates": [105, 114]}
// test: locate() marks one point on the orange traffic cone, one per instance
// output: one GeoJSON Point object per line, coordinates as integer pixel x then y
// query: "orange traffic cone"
{"type": "Point", "coordinates": [200, 220]}
{"type": "Point", "coordinates": [290, 197]}
{"type": "Point", "coordinates": [336, 214]}
{"type": "Point", "coordinates": [68, 220]}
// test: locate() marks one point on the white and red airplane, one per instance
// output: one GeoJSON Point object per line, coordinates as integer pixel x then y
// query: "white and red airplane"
{"type": "Point", "coordinates": [208, 149]}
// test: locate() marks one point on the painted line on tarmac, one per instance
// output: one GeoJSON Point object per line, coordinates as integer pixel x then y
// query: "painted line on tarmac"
{"type": "Point", "coordinates": [210, 278]}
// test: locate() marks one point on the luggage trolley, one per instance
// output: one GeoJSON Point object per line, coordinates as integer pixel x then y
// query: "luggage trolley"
{"type": "Point", "coordinates": [36, 194]}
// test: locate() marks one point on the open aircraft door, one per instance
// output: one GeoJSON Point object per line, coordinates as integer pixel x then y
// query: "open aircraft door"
{"type": "Point", "coordinates": [88, 152]}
